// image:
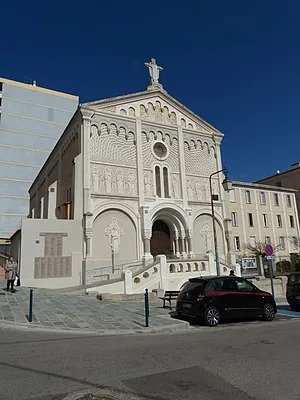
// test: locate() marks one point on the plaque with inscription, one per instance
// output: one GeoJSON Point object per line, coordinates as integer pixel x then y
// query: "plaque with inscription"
{"type": "Point", "coordinates": [53, 264]}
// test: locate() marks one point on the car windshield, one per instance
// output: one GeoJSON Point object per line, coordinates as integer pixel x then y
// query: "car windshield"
{"type": "Point", "coordinates": [197, 286]}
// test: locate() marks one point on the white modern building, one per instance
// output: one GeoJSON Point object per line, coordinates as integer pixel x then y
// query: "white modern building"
{"type": "Point", "coordinates": [32, 119]}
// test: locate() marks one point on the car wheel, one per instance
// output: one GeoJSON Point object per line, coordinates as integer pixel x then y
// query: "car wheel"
{"type": "Point", "coordinates": [268, 312]}
{"type": "Point", "coordinates": [212, 316]}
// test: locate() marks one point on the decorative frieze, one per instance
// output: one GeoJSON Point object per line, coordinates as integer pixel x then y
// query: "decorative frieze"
{"type": "Point", "coordinates": [113, 180]}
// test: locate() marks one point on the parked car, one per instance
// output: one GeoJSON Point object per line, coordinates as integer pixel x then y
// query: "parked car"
{"type": "Point", "coordinates": [293, 290]}
{"type": "Point", "coordinates": [222, 297]}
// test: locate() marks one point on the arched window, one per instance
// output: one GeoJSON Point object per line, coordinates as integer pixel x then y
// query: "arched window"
{"type": "Point", "coordinates": [157, 179]}
{"type": "Point", "coordinates": [162, 181]}
{"type": "Point", "coordinates": [166, 181]}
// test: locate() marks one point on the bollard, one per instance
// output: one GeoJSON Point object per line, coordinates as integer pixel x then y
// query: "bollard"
{"type": "Point", "coordinates": [30, 305]}
{"type": "Point", "coordinates": [147, 308]}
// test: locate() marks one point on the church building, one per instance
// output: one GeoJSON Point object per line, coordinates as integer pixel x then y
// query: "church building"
{"type": "Point", "coordinates": [129, 180]}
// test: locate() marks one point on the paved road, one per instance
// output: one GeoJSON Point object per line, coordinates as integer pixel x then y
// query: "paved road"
{"type": "Point", "coordinates": [236, 361]}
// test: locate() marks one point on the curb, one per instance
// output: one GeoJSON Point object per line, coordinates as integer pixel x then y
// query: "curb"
{"type": "Point", "coordinates": [179, 327]}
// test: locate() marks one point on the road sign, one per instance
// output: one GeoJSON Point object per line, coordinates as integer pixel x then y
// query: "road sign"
{"type": "Point", "coordinates": [269, 250]}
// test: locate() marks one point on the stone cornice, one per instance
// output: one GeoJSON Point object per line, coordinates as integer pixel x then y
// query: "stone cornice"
{"type": "Point", "coordinates": [146, 95]}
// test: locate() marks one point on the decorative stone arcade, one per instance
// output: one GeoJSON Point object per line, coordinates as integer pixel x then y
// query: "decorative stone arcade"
{"type": "Point", "coordinates": [168, 233]}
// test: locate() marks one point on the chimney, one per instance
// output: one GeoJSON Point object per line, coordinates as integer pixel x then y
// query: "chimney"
{"type": "Point", "coordinates": [33, 83]}
{"type": "Point", "coordinates": [296, 165]}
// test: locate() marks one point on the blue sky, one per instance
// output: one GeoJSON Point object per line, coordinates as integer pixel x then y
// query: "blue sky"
{"type": "Point", "coordinates": [236, 63]}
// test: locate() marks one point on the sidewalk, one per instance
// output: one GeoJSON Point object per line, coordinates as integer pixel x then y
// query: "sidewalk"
{"type": "Point", "coordinates": [83, 313]}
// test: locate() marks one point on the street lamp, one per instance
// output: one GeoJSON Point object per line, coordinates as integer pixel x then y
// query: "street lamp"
{"type": "Point", "coordinates": [227, 185]}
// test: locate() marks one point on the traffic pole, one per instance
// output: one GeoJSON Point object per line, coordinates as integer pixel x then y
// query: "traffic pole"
{"type": "Point", "coordinates": [30, 305]}
{"type": "Point", "coordinates": [147, 308]}
{"type": "Point", "coordinates": [271, 277]}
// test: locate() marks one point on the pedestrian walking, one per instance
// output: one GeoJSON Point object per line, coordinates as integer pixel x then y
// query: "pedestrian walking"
{"type": "Point", "coordinates": [231, 273]}
{"type": "Point", "coordinates": [10, 273]}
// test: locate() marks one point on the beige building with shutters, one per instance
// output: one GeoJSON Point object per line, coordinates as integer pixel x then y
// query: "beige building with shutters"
{"type": "Point", "coordinates": [263, 214]}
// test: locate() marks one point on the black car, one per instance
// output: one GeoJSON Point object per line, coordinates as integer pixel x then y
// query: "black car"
{"type": "Point", "coordinates": [222, 297]}
{"type": "Point", "coordinates": [293, 291]}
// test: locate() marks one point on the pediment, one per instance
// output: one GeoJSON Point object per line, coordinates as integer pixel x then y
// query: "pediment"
{"type": "Point", "coordinates": [153, 106]}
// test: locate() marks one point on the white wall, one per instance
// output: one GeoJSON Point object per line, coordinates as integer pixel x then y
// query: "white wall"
{"type": "Point", "coordinates": [33, 245]}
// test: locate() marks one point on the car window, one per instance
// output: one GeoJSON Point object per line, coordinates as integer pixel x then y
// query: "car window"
{"type": "Point", "coordinates": [244, 286]}
{"type": "Point", "coordinates": [225, 285]}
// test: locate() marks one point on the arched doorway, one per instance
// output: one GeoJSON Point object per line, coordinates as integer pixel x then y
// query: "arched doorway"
{"type": "Point", "coordinates": [160, 240]}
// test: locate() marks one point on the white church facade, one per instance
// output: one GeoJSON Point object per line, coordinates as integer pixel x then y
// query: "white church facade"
{"type": "Point", "coordinates": [124, 198]}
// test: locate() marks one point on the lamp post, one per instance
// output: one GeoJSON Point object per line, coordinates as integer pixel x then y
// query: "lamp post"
{"type": "Point", "coordinates": [227, 185]}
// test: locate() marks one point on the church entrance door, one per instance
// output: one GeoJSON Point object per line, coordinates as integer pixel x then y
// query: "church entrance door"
{"type": "Point", "coordinates": [160, 240]}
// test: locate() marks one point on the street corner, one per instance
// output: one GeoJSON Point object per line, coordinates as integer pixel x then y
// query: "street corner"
{"type": "Point", "coordinates": [103, 394]}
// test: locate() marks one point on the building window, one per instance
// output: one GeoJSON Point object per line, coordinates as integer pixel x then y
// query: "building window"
{"type": "Point", "coordinates": [234, 219]}
{"type": "Point", "coordinates": [292, 222]}
{"type": "Point", "coordinates": [1, 86]}
{"type": "Point", "coordinates": [248, 196]}
{"type": "Point", "coordinates": [279, 221]}
{"type": "Point", "coordinates": [250, 216]}
{"type": "Point", "coordinates": [267, 240]}
{"type": "Point", "coordinates": [276, 199]}
{"type": "Point", "coordinates": [157, 179]}
{"type": "Point", "coordinates": [265, 220]}
{"type": "Point", "coordinates": [237, 244]}
{"type": "Point", "coordinates": [252, 242]}
{"type": "Point", "coordinates": [166, 181]}
{"type": "Point", "coordinates": [281, 243]}
{"type": "Point", "coordinates": [232, 196]}
{"type": "Point", "coordinates": [288, 200]}
{"type": "Point", "coordinates": [0, 101]}
{"type": "Point", "coordinates": [295, 243]}
{"type": "Point", "coordinates": [262, 198]}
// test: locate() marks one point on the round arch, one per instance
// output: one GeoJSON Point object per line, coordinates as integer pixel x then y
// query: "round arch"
{"type": "Point", "coordinates": [171, 210]}
{"type": "Point", "coordinates": [116, 206]}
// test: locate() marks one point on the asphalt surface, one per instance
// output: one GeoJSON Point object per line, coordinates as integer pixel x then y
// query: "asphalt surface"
{"type": "Point", "coordinates": [244, 361]}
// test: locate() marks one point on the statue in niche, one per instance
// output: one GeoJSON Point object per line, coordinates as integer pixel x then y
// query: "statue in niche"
{"type": "Point", "coordinates": [95, 180]}
{"type": "Point", "coordinates": [108, 180]}
{"type": "Point", "coordinates": [189, 189]}
{"type": "Point", "coordinates": [173, 118]}
{"type": "Point", "coordinates": [158, 113]}
{"type": "Point", "coordinates": [206, 194]}
{"type": "Point", "coordinates": [147, 184]}
{"type": "Point", "coordinates": [131, 183]}
{"type": "Point", "coordinates": [165, 115]}
{"type": "Point", "coordinates": [114, 233]}
{"type": "Point", "coordinates": [151, 112]}
{"type": "Point", "coordinates": [120, 181]}
{"type": "Point", "coordinates": [198, 191]}
{"type": "Point", "coordinates": [206, 233]}
{"type": "Point", "coordinates": [143, 111]}
{"type": "Point", "coordinates": [175, 185]}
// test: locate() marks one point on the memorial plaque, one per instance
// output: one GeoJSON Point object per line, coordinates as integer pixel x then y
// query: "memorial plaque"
{"type": "Point", "coordinates": [53, 264]}
{"type": "Point", "coordinates": [57, 262]}
{"type": "Point", "coordinates": [50, 267]}
{"type": "Point", "coordinates": [63, 267]}
{"type": "Point", "coordinates": [37, 267]}
{"type": "Point", "coordinates": [69, 267]}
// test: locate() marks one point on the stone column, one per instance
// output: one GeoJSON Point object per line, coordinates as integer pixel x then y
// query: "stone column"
{"type": "Point", "coordinates": [147, 257]}
{"type": "Point", "coordinates": [139, 160]}
{"type": "Point", "coordinates": [182, 247]}
{"type": "Point", "coordinates": [88, 239]}
{"type": "Point", "coordinates": [190, 247]}
{"type": "Point", "coordinates": [176, 241]}
{"type": "Point", "coordinates": [182, 167]}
